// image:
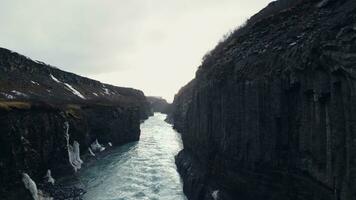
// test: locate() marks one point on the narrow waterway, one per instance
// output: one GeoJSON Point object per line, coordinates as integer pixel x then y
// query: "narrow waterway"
{"type": "Point", "coordinates": [140, 170]}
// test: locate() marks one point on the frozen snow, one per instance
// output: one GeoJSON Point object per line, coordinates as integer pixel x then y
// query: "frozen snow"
{"type": "Point", "coordinates": [71, 88]}
{"type": "Point", "coordinates": [54, 78]}
{"type": "Point", "coordinates": [17, 93]}
{"type": "Point", "coordinates": [91, 152]}
{"type": "Point", "coordinates": [77, 152]}
{"type": "Point", "coordinates": [35, 83]}
{"type": "Point", "coordinates": [49, 177]}
{"type": "Point", "coordinates": [74, 91]}
{"type": "Point", "coordinates": [40, 62]}
{"type": "Point", "coordinates": [30, 185]}
{"type": "Point", "coordinates": [73, 151]}
{"type": "Point", "coordinates": [106, 90]}
{"type": "Point", "coordinates": [8, 96]}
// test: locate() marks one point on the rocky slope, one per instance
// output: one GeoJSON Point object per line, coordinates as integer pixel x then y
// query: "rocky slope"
{"type": "Point", "coordinates": [40, 104]}
{"type": "Point", "coordinates": [271, 113]}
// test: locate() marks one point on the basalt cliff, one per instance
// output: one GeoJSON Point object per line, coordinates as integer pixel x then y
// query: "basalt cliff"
{"type": "Point", "coordinates": [49, 118]}
{"type": "Point", "coordinates": [271, 113]}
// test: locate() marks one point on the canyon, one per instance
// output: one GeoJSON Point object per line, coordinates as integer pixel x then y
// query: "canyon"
{"type": "Point", "coordinates": [49, 118]}
{"type": "Point", "coordinates": [270, 114]}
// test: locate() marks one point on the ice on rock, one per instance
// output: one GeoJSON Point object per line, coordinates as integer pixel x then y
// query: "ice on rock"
{"type": "Point", "coordinates": [215, 194]}
{"type": "Point", "coordinates": [73, 151]}
{"type": "Point", "coordinates": [77, 152]}
{"type": "Point", "coordinates": [30, 185]}
{"type": "Point", "coordinates": [91, 152]}
{"type": "Point", "coordinates": [95, 146]}
{"type": "Point", "coordinates": [49, 177]}
{"type": "Point", "coordinates": [66, 134]}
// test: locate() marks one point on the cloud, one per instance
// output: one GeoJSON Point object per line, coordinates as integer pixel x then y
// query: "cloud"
{"type": "Point", "coordinates": [153, 45]}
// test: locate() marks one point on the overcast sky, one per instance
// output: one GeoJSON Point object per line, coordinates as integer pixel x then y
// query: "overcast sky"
{"type": "Point", "coordinates": [152, 45]}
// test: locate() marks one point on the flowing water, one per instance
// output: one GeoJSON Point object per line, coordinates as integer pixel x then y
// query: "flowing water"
{"type": "Point", "coordinates": [140, 170]}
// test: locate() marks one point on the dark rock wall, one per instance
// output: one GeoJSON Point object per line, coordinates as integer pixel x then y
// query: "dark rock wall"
{"type": "Point", "coordinates": [33, 141]}
{"type": "Point", "coordinates": [179, 109]}
{"type": "Point", "coordinates": [34, 107]}
{"type": "Point", "coordinates": [272, 113]}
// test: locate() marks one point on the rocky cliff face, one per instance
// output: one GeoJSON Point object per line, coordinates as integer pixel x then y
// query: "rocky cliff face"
{"type": "Point", "coordinates": [158, 104]}
{"type": "Point", "coordinates": [23, 79]}
{"type": "Point", "coordinates": [272, 112]}
{"type": "Point", "coordinates": [37, 102]}
{"type": "Point", "coordinates": [179, 108]}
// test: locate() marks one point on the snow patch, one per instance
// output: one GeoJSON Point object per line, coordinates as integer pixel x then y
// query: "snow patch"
{"type": "Point", "coordinates": [54, 78]}
{"type": "Point", "coordinates": [71, 88]}
{"type": "Point", "coordinates": [292, 44]}
{"type": "Point", "coordinates": [35, 83]}
{"type": "Point", "coordinates": [106, 90]}
{"type": "Point", "coordinates": [40, 62]}
{"type": "Point", "coordinates": [74, 91]}
{"type": "Point", "coordinates": [215, 194]}
{"type": "Point", "coordinates": [110, 144]}
{"type": "Point", "coordinates": [95, 94]}
{"type": "Point", "coordinates": [17, 93]}
{"type": "Point", "coordinates": [7, 96]}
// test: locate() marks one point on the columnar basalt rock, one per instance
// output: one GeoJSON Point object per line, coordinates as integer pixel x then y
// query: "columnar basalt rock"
{"type": "Point", "coordinates": [272, 113]}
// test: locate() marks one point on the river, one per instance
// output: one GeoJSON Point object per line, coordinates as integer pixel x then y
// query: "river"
{"type": "Point", "coordinates": [140, 170]}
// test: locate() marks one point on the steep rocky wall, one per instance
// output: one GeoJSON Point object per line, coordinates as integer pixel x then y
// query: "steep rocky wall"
{"type": "Point", "coordinates": [36, 102]}
{"type": "Point", "coordinates": [32, 140]}
{"type": "Point", "coordinates": [272, 113]}
{"type": "Point", "coordinates": [179, 109]}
